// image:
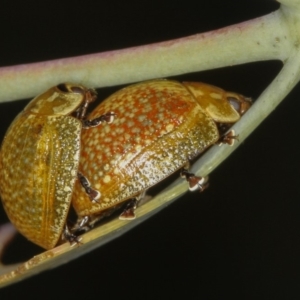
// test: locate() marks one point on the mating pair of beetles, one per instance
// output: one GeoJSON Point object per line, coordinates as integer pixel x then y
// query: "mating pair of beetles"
{"type": "Point", "coordinates": [53, 156]}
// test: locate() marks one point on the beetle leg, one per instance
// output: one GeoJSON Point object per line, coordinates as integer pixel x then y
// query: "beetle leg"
{"type": "Point", "coordinates": [86, 223]}
{"type": "Point", "coordinates": [129, 211]}
{"type": "Point", "coordinates": [195, 182]}
{"type": "Point", "coordinates": [108, 118]}
{"type": "Point", "coordinates": [228, 138]}
{"type": "Point", "coordinates": [90, 96]}
{"type": "Point", "coordinates": [93, 194]}
{"type": "Point", "coordinates": [70, 237]}
{"type": "Point", "coordinates": [83, 224]}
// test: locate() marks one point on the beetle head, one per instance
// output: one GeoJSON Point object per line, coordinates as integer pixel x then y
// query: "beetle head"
{"type": "Point", "coordinates": [240, 103]}
{"type": "Point", "coordinates": [61, 100]}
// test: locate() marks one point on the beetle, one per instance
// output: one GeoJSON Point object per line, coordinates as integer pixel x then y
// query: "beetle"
{"type": "Point", "coordinates": [53, 156]}
{"type": "Point", "coordinates": [159, 126]}
{"type": "Point", "coordinates": [39, 160]}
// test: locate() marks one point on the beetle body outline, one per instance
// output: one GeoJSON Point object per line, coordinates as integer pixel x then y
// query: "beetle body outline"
{"type": "Point", "coordinates": [159, 126]}
{"type": "Point", "coordinates": [39, 159]}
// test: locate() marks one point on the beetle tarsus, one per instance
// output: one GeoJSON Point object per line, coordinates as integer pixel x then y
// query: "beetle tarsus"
{"type": "Point", "coordinates": [82, 225]}
{"type": "Point", "coordinates": [72, 238]}
{"type": "Point", "coordinates": [93, 194]}
{"type": "Point", "coordinates": [195, 182]}
{"type": "Point", "coordinates": [129, 211]}
{"type": "Point", "coordinates": [228, 138]}
{"type": "Point", "coordinates": [108, 118]}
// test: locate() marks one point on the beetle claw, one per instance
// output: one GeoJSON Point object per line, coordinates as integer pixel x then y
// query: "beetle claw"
{"type": "Point", "coordinates": [93, 194]}
{"type": "Point", "coordinates": [108, 118]}
{"type": "Point", "coordinates": [129, 211]}
{"type": "Point", "coordinates": [228, 138]}
{"type": "Point", "coordinates": [127, 215]}
{"type": "Point", "coordinates": [71, 237]}
{"type": "Point", "coordinates": [195, 182]}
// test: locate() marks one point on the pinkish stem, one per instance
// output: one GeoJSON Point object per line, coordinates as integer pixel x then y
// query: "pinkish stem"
{"type": "Point", "coordinates": [258, 39]}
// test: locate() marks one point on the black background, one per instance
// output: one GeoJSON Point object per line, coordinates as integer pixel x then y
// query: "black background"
{"type": "Point", "coordinates": [239, 239]}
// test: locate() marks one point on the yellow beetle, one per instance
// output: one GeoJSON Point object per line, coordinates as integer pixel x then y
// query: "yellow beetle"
{"type": "Point", "coordinates": [39, 160]}
{"type": "Point", "coordinates": [159, 126]}
{"type": "Point", "coordinates": [150, 130]}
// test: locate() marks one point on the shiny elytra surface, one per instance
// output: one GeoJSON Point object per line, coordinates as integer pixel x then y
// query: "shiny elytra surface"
{"type": "Point", "coordinates": [158, 127]}
{"type": "Point", "coordinates": [38, 165]}
{"type": "Point", "coordinates": [37, 172]}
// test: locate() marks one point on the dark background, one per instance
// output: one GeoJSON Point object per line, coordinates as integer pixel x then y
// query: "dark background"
{"type": "Point", "coordinates": [238, 239]}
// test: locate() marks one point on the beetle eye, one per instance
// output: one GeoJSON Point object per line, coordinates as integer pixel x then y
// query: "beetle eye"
{"type": "Point", "coordinates": [63, 88]}
{"type": "Point", "coordinates": [235, 103]}
{"type": "Point", "coordinates": [78, 90]}
{"type": "Point", "coordinates": [241, 106]}
{"type": "Point", "coordinates": [68, 88]}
